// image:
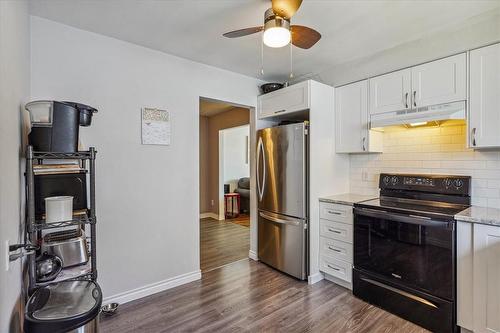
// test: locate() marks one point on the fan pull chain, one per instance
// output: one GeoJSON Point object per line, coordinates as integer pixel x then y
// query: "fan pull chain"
{"type": "Point", "coordinates": [262, 54]}
{"type": "Point", "coordinates": [291, 61]}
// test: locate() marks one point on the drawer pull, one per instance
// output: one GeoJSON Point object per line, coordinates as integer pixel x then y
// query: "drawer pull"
{"type": "Point", "coordinates": [334, 231]}
{"type": "Point", "coordinates": [334, 249]}
{"type": "Point", "coordinates": [279, 111]}
{"type": "Point", "coordinates": [334, 268]}
{"type": "Point", "coordinates": [334, 212]}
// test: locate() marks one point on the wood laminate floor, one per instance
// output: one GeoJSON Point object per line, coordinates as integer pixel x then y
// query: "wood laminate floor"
{"type": "Point", "coordinates": [248, 296]}
{"type": "Point", "coordinates": [222, 242]}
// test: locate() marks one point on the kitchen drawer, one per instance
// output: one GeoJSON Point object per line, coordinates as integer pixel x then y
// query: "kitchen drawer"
{"type": "Point", "coordinates": [337, 268]}
{"type": "Point", "coordinates": [336, 212]}
{"type": "Point", "coordinates": [336, 249]}
{"type": "Point", "coordinates": [336, 230]}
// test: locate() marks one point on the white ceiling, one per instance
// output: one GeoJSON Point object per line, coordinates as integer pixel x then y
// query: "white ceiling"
{"type": "Point", "coordinates": [353, 31]}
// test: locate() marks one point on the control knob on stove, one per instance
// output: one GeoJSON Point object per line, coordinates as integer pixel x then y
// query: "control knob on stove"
{"type": "Point", "coordinates": [387, 180]}
{"type": "Point", "coordinates": [458, 183]}
{"type": "Point", "coordinates": [394, 180]}
{"type": "Point", "coordinates": [447, 183]}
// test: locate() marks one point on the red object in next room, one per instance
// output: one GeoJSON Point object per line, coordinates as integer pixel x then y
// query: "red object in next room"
{"type": "Point", "coordinates": [229, 202]}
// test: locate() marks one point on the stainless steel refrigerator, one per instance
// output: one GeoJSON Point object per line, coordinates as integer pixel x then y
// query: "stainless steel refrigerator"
{"type": "Point", "coordinates": [282, 193]}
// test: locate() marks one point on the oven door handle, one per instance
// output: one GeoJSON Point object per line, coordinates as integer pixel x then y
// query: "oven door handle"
{"type": "Point", "coordinates": [413, 219]}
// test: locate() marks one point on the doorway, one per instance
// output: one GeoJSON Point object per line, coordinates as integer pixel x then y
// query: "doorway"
{"type": "Point", "coordinates": [224, 183]}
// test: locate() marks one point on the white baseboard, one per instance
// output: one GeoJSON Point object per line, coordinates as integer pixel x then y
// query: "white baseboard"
{"type": "Point", "coordinates": [209, 215]}
{"type": "Point", "coordinates": [253, 255]}
{"type": "Point", "coordinates": [153, 288]}
{"type": "Point", "coordinates": [312, 279]}
{"type": "Point", "coordinates": [338, 281]}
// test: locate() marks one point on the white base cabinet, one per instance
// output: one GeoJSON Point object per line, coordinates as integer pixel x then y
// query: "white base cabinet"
{"type": "Point", "coordinates": [478, 277]}
{"type": "Point", "coordinates": [335, 255]}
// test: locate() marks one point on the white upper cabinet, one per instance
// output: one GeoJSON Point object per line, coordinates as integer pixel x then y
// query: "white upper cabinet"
{"type": "Point", "coordinates": [437, 82]}
{"type": "Point", "coordinates": [351, 120]}
{"type": "Point", "coordinates": [290, 99]}
{"type": "Point", "coordinates": [484, 99]}
{"type": "Point", "coordinates": [440, 81]}
{"type": "Point", "coordinates": [351, 130]}
{"type": "Point", "coordinates": [390, 92]}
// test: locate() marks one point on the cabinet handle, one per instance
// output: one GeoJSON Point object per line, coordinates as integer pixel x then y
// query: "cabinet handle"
{"type": "Point", "coordinates": [474, 136]}
{"type": "Point", "coordinates": [364, 146]}
{"type": "Point", "coordinates": [334, 249]}
{"type": "Point", "coordinates": [334, 231]}
{"type": "Point", "coordinates": [334, 212]}
{"type": "Point", "coordinates": [279, 111]}
{"type": "Point", "coordinates": [406, 100]}
{"type": "Point", "coordinates": [334, 268]}
{"type": "Point", "coordinates": [414, 98]}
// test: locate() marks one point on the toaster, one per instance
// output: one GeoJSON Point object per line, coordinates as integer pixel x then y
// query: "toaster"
{"type": "Point", "coordinates": [72, 251]}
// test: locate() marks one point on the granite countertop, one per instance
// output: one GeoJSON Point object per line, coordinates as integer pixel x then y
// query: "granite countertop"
{"type": "Point", "coordinates": [347, 198]}
{"type": "Point", "coordinates": [482, 215]}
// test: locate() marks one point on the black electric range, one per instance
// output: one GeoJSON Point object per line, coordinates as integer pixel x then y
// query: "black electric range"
{"type": "Point", "coordinates": [405, 246]}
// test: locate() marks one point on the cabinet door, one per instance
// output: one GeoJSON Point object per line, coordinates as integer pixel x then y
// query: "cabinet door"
{"type": "Point", "coordinates": [289, 99]}
{"type": "Point", "coordinates": [465, 294]}
{"type": "Point", "coordinates": [486, 278]}
{"type": "Point", "coordinates": [390, 92]}
{"type": "Point", "coordinates": [440, 81]}
{"type": "Point", "coordinates": [351, 117]}
{"type": "Point", "coordinates": [484, 99]}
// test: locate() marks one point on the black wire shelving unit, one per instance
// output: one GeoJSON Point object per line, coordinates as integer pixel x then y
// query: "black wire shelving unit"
{"type": "Point", "coordinates": [34, 227]}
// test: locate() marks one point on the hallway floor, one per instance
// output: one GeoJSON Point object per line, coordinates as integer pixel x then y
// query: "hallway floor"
{"type": "Point", "coordinates": [248, 296]}
{"type": "Point", "coordinates": [223, 242]}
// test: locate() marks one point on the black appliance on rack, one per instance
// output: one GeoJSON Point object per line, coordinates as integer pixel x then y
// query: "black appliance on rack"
{"type": "Point", "coordinates": [405, 247]}
{"type": "Point", "coordinates": [55, 125]}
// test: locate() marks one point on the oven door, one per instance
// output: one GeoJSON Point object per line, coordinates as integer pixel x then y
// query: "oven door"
{"type": "Point", "coordinates": [406, 249]}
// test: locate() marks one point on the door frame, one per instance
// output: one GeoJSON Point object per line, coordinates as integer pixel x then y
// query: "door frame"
{"type": "Point", "coordinates": [252, 253]}
{"type": "Point", "coordinates": [222, 207]}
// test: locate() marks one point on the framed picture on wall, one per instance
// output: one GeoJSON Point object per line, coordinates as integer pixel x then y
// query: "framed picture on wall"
{"type": "Point", "coordinates": [155, 127]}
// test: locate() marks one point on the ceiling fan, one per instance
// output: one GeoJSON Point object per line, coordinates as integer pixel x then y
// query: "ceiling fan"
{"type": "Point", "coordinates": [277, 29]}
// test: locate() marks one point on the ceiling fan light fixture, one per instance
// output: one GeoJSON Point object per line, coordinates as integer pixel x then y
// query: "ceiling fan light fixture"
{"type": "Point", "coordinates": [277, 37]}
{"type": "Point", "coordinates": [276, 30]}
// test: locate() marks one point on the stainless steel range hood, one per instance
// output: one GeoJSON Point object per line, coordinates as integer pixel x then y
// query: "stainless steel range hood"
{"type": "Point", "coordinates": [455, 110]}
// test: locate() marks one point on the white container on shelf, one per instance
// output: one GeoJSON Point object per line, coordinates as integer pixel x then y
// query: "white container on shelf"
{"type": "Point", "coordinates": [58, 209]}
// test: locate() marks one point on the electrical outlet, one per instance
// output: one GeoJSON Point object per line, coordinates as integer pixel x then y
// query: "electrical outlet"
{"type": "Point", "coordinates": [7, 254]}
{"type": "Point", "coordinates": [212, 202]}
{"type": "Point", "coordinates": [364, 176]}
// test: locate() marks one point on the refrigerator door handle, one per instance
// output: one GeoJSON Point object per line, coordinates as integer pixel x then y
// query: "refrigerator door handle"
{"type": "Point", "coordinates": [279, 220]}
{"type": "Point", "coordinates": [260, 153]}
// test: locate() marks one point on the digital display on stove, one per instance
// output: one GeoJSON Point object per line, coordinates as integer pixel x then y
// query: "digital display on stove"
{"type": "Point", "coordinates": [418, 181]}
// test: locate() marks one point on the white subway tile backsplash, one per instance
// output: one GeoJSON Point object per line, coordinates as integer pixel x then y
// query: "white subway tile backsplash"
{"type": "Point", "coordinates": [433, 150]}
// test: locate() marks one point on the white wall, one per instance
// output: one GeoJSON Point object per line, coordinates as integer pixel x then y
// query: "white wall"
{"type": "Point", "coordinates": [236, 159]}
{"type": "Point", "coordinates": [147, 196]}
{"type": "Point", "coordinates": [14, 92]}
{"type": "Point", "coordinates": [435, 150]}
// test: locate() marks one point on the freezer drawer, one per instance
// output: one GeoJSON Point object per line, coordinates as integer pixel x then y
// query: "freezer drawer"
{"type": "Point", "coordinates": [282, 243]}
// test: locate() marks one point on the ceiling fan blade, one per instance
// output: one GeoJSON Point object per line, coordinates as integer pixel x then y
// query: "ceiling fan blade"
{"type": "Point", "coordinates": [304, 37]}
{"type": "Point", "coordinates": [285, 8]}
{"type": "Point", "coordinates": [243, 32]}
